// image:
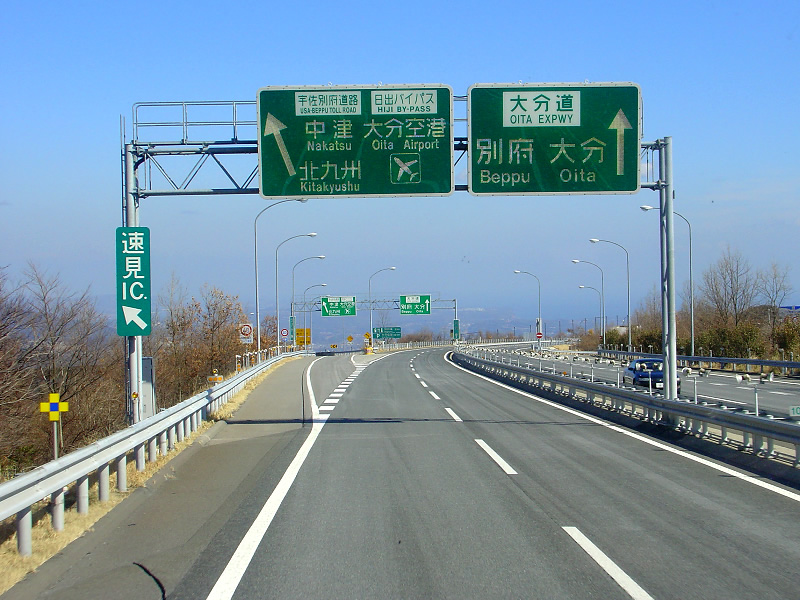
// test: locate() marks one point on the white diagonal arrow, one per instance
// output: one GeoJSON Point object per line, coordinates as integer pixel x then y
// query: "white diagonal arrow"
{"type": "Point", "coordinates": [620, 123]}
{"type": "Point", "coordinates": [273, 127]}
{"type": "Point", "coordinates": [132, 315]}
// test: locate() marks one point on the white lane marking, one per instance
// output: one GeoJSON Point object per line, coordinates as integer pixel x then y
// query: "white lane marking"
{"type": "Point", "coordinates": [332, 401]}
{"type": "Point", "coordinates": [780, 393]}
{"type": "Point", "coordinates": [435, 397]}
{"type": "Point", "coordinates": [725, 400]}
{"type": "Point", "coordinates": [456, 418]}
{"type": "Point", "coordinates": [335, 395]}
{"type": "Point", "coordinates": [232, 574]}
{"type": "Point", "coordinates": [323, 407]}
{"type": "Point", "coordinates": [710, 383]}
{"type": "Point", "coordinates": [340, 390]}
{"type": "Point", "coordinates": [633, 589]}
{"type": "Point", "coordinates": [496, 458]}
{"type": "Point", "coordinates": [423, 384]}
{"type": "Point", "coordinates": [707, 463]}
{"type": "Point", "coordinates": [742, 388]}
{"type": "Point", "coordinates": [416, 375]}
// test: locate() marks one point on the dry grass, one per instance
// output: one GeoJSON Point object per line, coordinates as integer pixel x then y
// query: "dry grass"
{"type": "Point", "coordinates": [47, 542]}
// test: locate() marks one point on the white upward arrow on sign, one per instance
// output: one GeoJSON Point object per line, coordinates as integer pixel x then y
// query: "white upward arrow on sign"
{"type": "Point", "coordinates": [273, 127]}
{"type": "Point", "coordinates": [620, 123]}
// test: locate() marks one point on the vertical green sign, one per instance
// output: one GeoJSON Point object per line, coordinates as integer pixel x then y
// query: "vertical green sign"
{"type": "Point", "coordinates": [456, 332]}
{"type": "Point", "coordinates": [559, 138]}
{"type": "Point", "coordinates": [318, 142]}
{"type": "Point", "coordinates": [133, 281]}
{"type": "Point", "coordinates": [291, 330]}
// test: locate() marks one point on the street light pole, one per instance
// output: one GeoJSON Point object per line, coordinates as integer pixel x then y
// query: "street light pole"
{"type": "Point", "coordinates": [255, 262]}
{"type": "Point", "coordinates": [369, 285]}
{"type": "Point", "coordinates": [628, 275]}
{"type": "Point", "coordinates": [291, 324]}
{"type": "Point", "coordinates": [599, 296]}
{"type": "Point", "coordinates": [277, 305]}
{"type": "Point", "coordinates": [308, 341]}
{"type": "Point", "coordinates": [602, 296]}
{"type": "Point", "coordinates": [645, 208]}
{"type": "Point", "coordinates": [539, 323]}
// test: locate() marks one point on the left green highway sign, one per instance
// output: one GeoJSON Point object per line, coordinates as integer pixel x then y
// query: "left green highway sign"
{"type": "Point", "coordinates": [133, 281]}
{"type": "Point", "coordinates": [554, 138]}
{"type": "Point", "coordinates": [370, 141]}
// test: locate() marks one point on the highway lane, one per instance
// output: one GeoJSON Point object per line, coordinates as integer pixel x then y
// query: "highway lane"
{"type": "Point", "coordinates": [420, 480]}
{"type": "Point", "coordinates": [427, 481]}
{"type": "Point", "coordinates": [774, 397]}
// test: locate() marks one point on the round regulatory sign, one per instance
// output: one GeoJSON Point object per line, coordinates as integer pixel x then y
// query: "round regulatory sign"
{"type": "Point", "coordinates": [539, 335]}
{"type": "Point", "coordinates": [246, 330]}
{"type": "Point", "coordinates": [284, 332]}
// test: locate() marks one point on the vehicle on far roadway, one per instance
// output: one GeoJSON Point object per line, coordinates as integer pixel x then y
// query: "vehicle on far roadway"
{"type": "Point", "coordinates": [646, 372]}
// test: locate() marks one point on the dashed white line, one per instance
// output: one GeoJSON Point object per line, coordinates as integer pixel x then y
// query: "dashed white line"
{"type": "Point", "coordinates": [633, 589]}
{"type": "Point", "coordinates": [416, 375]}
{"type": "Point", "coordinates": [496, 458]}
{"type": "Point", "coordinates": [423, 384]}
{"type": "Point", "coordinates": [456, 418]}
{"type": "Point", "coordinates": [332, 401]}
{"type": "Point", "coordinates": [435, 397]}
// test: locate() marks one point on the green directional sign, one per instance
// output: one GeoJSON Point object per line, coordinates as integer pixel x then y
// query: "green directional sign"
{"type": "Point", "coordinates": [318, 142]}
{"type": "Point", "coordinates": [415, 305]}
{"type": "Point", "coordinates": [456, 330]}
{"type": "Point", "coordinates": [133, 281]}
{"type": "Point", "coordinates": [560, 138]}
{"type": "Point", "coordinates": [338, 306]}
{"type": "Point", "coordinates": [383, 333]}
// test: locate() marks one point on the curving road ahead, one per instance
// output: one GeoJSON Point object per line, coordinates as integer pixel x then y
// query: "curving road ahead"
{"type": "Point", "coordinates": [420, 480]}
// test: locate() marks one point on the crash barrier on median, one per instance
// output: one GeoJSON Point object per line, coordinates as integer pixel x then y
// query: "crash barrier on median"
{"type": "Point", "coordinates": [153, 436]}
{"type": "Point", "coordinates": [723, 362]}
{"type": "Point", "coordinates": [751, 433]}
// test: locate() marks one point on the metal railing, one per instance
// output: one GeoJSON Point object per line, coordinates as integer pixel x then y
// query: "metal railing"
{"type": "Point", "coordinates": [153, 436]}
{"type": "Point", "coordinates": [723, 361]}
{"type": "Point", "coordinates": [756, 434]}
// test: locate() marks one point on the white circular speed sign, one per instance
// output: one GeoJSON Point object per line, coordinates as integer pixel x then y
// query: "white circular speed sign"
{"type": "Point", "coordinates": [284, 332]}
{"type": "Point", "coordinates": [246, 330]}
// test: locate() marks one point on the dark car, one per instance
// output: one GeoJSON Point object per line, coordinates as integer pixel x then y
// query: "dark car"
{"type": "Point", "coordinates": [646, 372]}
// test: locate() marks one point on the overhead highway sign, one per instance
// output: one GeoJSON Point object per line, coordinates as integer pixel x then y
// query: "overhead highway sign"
{"type": "Point", "coordinates": [369, 141]}
{"type": "Point", "coordinates": [554, 138]}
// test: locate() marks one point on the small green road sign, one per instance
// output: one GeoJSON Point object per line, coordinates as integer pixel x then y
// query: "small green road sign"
{"type": "Point", "coordinates": [338, 306]}
{"type": "Point", "coordinates": [133, 281]}
{"type": "Point", "coordinates": [554, 138]}
{"type": "Point", "coordinates": [456, 332]}
{"type": "Point", "coordinates": [365, 141]}
{"type": "Point", "coordinates": [415, 305]}
{"type": "Point", "coordinates": [383, 333]}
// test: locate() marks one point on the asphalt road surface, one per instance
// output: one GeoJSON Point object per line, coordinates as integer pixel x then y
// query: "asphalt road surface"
{"type": "Point", "coordinates": [421, 480]}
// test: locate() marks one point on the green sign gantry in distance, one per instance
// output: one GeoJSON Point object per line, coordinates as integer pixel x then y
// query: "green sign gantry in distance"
{"type": "Point", "coordinates": [554, 138]}
{"type": "Point", "coordinates": [338, 306]}
{"type": "Point", "coordinates": [133, 281]}
{"type": "Point", "coordinates": [382, 333]}
{"type": "Point", "coordinates": [318, 142]}
{"type": "Point", "coordinates": [415, 305]}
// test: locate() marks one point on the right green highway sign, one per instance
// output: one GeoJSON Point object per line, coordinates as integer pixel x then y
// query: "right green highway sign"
{"type": "Point", "coordinates": [554, 138]}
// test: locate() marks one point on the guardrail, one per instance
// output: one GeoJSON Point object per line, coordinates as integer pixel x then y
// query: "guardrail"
{"type": "Point", "coordinates": [723, 361]}
{"type": "Point", "coordinates": [156, 435]}
{"type": "Point", "coordinates": [758, 434]}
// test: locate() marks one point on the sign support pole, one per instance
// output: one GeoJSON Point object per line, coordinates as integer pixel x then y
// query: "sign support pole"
{"type": "Point", "coordinates": [671, 352]}
{"type": "Point", "coordinates": [134, 343]}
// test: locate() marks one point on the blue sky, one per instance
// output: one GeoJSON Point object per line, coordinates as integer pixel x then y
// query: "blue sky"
{"type": "Point", "coordinates": [718, 77]}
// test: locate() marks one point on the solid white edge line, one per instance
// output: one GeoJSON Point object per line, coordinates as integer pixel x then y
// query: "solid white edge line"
{"type": "Point", "coordinates": [496, 458]}
{"type": "Point", "coordinates": [229, 580]}
{"type": "Point", "coordinates": [705, 462]}
{"type": "Point", "coordinates": [633, 589]}
{"type": "Point", "coordinates": [456, 418]}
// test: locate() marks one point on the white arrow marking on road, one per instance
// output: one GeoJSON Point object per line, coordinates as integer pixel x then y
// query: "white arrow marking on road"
{"type": "Point", "coordinates": [273, 127]}
{"type": "Point", "coordinates": [132, 314]}
{"type": "Point", "coordinates": [620, 123]}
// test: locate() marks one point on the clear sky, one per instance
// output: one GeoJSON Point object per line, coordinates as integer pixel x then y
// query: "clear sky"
{"type": "Point", "coordinates": [719, 77]}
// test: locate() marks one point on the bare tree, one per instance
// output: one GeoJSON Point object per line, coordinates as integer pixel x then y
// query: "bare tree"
{"type": "Point", "coordinates": [774, 286]}
{"type": "Point", "coordinates": [730, 287]}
